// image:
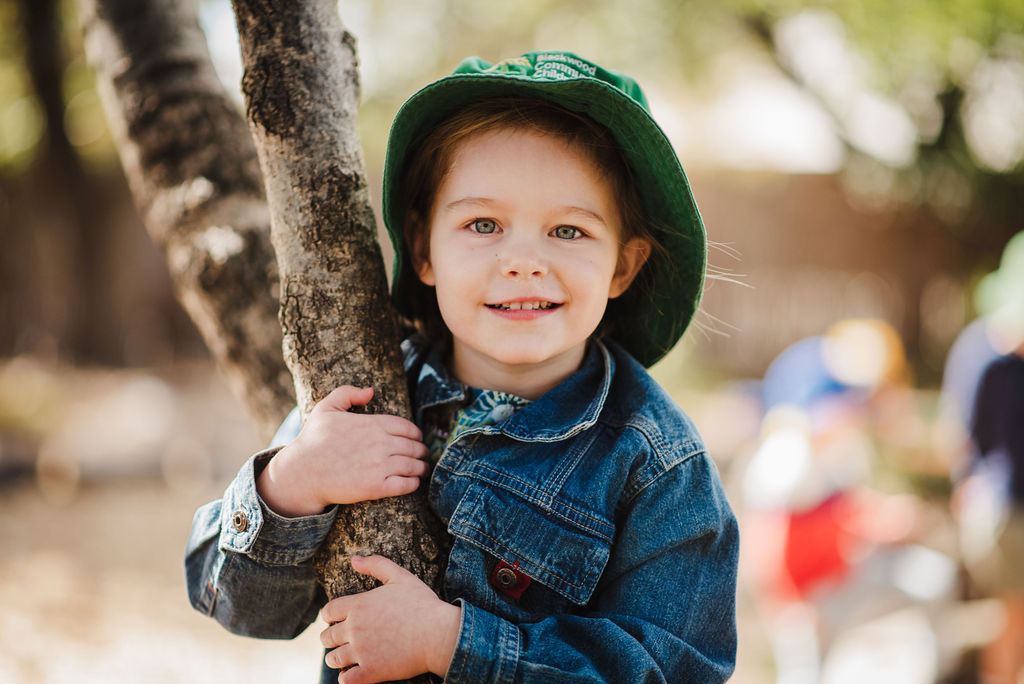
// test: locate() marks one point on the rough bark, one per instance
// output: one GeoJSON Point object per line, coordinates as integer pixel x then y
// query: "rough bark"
{"type": "Point", "coordinates": [193, 172]}
{"type": "Point", "coordinates": [301, 92]}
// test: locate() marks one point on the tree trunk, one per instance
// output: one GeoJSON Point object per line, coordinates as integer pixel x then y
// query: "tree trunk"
{"type": "Point", "coordinates": [192, 169]}
{"type": "Point", "coordinates": [301, 92]}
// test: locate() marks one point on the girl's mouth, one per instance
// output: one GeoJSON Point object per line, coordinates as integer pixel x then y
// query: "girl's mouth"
{"type": "Point", "coordinates": [539, 305]}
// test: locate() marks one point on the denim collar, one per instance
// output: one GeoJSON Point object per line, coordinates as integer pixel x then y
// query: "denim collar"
{"type": "Point", "coordinates": [570, 407]}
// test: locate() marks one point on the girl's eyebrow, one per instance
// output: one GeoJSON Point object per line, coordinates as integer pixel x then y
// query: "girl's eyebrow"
{"type": "Point", "coordinates": [585, 213]}
{"type": "Point", "coordinates": [469, 201]}
{"type": "Point", "coordinates": [569, 209]}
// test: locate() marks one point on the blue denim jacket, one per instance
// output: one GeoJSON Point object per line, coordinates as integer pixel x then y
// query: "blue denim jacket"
{"type": "Point", "coordinates": [592, 539]}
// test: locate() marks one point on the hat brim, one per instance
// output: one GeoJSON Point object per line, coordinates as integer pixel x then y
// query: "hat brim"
{"type": "Point", "coordinates": [648, 319]}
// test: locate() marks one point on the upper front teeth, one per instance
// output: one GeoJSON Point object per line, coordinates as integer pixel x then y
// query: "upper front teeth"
{"type": "Point", "coordinates": [528, 306]}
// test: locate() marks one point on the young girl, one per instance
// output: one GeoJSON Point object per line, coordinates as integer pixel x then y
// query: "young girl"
{"type": "Point", "coordinates": [548, 248]}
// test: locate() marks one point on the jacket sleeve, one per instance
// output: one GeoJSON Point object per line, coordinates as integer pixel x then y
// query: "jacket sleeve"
{"type": "Point", "coordinates": [250, 568]}
{"type": "Point", "coordinates": [663, 611]}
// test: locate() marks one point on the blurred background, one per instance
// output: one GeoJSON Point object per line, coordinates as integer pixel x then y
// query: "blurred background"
{"type": "Point", "coordinates": [858, 164]}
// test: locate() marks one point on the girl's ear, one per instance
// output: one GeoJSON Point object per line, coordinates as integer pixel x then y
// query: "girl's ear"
{"type": "Point", "coordinates": [632, 257]}
{"type": "Point", "coordinates": [417, 240]}
{"type": "Point", "coordinates": [425, 271]}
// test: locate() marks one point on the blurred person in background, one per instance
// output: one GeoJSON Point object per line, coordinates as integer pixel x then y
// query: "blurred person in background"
{"type": "Point", "coordinates": [989, 498]}
{"type": "Point", "coordinates": [821, 547]}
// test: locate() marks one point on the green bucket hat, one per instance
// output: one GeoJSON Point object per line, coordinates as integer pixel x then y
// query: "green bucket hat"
{"type": "Point", "coordinates": [647, 322]}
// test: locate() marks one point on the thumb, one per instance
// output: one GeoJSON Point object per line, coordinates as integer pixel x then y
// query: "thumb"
{"type": "Point", "coordinates": [345, 397]}
{"type": "Point", "coordinates": [380, 568]}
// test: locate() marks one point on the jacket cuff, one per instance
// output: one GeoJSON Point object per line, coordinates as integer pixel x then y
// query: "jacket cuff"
{"type": "Point", "coordinates": [487, 649]}
{"type": "Point", "coordinates": [248, 526]}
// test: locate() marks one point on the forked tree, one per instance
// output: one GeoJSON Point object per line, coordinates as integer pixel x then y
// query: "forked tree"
{"type": "Point", "coordinates": [216, 193]}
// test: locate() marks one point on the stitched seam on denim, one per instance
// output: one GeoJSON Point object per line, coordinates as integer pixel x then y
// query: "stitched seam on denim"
{"type": "Point", "coordinates": [588, 419]}
{"type": "Point", "coordinates": [556, 437]}
{"type": "Point", "coordinates": [291, 525]}
{"type": "Point", "coordinates": [460, 660]}
{"type": "Point", "coordinates": [464, 504]}
{"type": "Point", "coordinates": [550, 501]}
{"type": "Point", "coordinates": [280, 558]}
{"type": "Point", "coordinates": [511, 655]}
{"type": "Point", "coordinates": [568, 464]}
{"type": "Point", "coordinates": [530, 568]}
{"type": "Point", "coordinates": [661, 448]}
{"type": "Point", "coordinates": [536, 571]}
{"type": "Point", "coordinates": [272, 552]}
{"type": "Point", "coordinates": [553, 507]}
{"type": "Point", "coordinates": [661, 473]}
{"type": "Point", "coordinates": [209, 595]}
{"type": "Point", "coordinates": [279, 549]}
{"type": "Point", "coordinates": [501, 477]}
{"type": "Point", "coordinates": [471, 432]}
{"type": "Point", "coordinates": [472, 631]}
{"type": "Point", "coordinates": [450, 459]}
{"type": "Point", "coordinates": [661, 462]}
{"type": "Point", "coordinates": [606, 384]}
{"type": "Point", "coordinates": [224, 561]}
{"type": "Point", "coordinates": [502, 649]}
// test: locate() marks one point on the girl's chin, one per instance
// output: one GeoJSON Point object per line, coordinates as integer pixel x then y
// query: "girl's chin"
{"type": "Point", "coordinates": [527, 359]}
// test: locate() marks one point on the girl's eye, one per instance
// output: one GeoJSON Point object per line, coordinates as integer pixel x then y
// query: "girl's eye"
{"type": "Point", "coordinates": [567, 232]}
{"type": "Point", "coordinates": [484, 226]}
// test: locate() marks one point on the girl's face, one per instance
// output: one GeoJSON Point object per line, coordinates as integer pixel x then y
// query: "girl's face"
{"type": "Point", "coordinates": [524, 254]}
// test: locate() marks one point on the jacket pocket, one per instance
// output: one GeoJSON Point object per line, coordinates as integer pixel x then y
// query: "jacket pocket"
{"type": "Point", "coordinates": [557, 553]}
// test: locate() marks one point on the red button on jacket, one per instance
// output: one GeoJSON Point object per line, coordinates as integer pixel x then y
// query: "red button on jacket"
{"type": "Point", "coordinates": [509, 580]}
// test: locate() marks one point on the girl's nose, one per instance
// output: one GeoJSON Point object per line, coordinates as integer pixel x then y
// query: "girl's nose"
{"type": "Point", "coordinates": [522, 261]}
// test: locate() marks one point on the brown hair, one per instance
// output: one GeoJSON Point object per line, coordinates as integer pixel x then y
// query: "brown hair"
{"type": "Point", "coordinates": [431, 160]}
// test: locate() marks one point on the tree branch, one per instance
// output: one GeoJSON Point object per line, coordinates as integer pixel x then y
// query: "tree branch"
{"type": "Point", "coordinates": [193, 173]}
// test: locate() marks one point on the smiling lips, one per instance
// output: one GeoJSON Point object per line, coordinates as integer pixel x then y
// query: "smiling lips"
{"type": "Point", "coordinates": [523, 310]}
{"type": "Point", "coordinates": [525, 306]}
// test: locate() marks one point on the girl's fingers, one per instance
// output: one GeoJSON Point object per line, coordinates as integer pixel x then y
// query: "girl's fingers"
{"type": "Point", "coordinates": [396, 485]}
{"type": "Point", "coordinates": [400, 427]}
{"type": "Point", "coordinates": [380, 568]}
{"type": "Point", "coordinates": [419, 450]}
{"type": "Point", "coordinates": [345, 397]}
{"type": "Point", "coordinates": [355, 675]}
{"type": "Point", "coordinates": [335, 610]}
{"type": "Point", "coordinates": [406, 467]}
{"type": "Point", "coordinates": [400, 446]}
{"type": "Point", "coordinates": [333, 636]}
{"type": "Point", "coordinates": [339, 658]}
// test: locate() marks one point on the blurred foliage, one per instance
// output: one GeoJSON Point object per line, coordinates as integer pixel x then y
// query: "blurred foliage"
{"type": "Point", "coordinates": [22, 120]}
{"type": "Point", "coordinates": [949, 74]}
{"type": "Point", "coordinates": [906, 33]}
{"type": "Point", "coordinates": [934, 60]}
{"type": "Point", "coordinates": [30, 397]}
{"type": "Point", "coordinates": [956, 69]}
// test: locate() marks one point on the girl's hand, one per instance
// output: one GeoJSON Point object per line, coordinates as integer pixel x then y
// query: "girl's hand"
{"type": "Point", "coordinates": [396, 631]}
{"type": "Point", "coordinates": [341, 457]}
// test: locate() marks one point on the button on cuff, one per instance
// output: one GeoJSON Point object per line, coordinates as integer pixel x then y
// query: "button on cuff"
{"type": "Point", "coordinates": [241, 517]}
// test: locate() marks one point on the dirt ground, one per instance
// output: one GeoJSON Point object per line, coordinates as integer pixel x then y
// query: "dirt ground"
{"type": "Point", "coordinates": [92, 590]}
{"type": "Point", "coordinates": [92, 584]}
